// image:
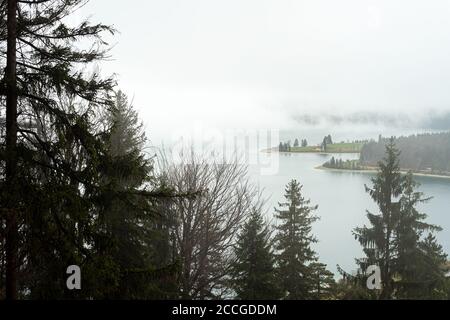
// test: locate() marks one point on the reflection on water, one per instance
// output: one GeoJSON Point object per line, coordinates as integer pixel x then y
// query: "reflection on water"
{"type": "Point", "coordinates": [343, 202]}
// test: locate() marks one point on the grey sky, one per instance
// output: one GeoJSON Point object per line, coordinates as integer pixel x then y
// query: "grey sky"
{"type": "Point", "coordinates": [261, 63]}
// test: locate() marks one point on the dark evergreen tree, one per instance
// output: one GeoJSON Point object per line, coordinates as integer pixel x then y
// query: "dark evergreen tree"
{"type": "Point", "coordinates": [324, 144]}
{"type": "Point", "coordinates": [325, 285]}
{"type": "Point", "coordinates": [49, 107]}
{"type": "Point", "coordinates": [54, 149]}
{"type": "Point", "coordinates": [432, 273]}
{"type": "Point", "coordinates": [253, 273]}
{"type": "Point", "coordinates": [377, 240]}
{"type": "Point", "coordinates": [304, 143]}
{"type": "Point", "coordinates": [407, 236]}
{"type": "Point", "coordinates": [393, 241]}
{"type": "Point", "coordinates": [296, 143]}
{"type": "Point", "coordinates": [134, 229]}
{"type": "Point", "coordinates": [293, 244]}
{"type": "Point", "coordinates": [284, 147]}
{"type": "Point", "coordinates": [333, 162]}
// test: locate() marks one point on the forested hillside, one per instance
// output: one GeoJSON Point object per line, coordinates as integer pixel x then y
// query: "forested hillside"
{"type": "Point", "coordinates": [423, 152]}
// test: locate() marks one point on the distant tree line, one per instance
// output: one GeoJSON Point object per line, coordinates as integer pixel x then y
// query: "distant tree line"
{"type": "Point", "coordinates": [303, 143]}
{"type": "Point", "coordinates": [286, 146]}
{"type": "Point", "coordinates": [422, 152]}
{"type": "Point", "coordinates": [360, 141]}
{"type": "Point", "coordinates": [334, 163]}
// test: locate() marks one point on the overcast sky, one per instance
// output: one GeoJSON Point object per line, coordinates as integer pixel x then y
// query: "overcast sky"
{"type": "Point", "coordinates": [264, 64]}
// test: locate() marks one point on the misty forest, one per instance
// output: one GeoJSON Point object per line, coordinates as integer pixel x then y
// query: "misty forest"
{"type": "Point", "coordinates": [83, 183]}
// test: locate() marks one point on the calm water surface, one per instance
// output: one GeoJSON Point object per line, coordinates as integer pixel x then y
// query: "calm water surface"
{"type": "Point", "coordinates": [343, 202]}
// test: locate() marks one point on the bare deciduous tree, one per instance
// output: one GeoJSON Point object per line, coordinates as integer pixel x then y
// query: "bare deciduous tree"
{"type": "Point", "coordinates": [207, 225]}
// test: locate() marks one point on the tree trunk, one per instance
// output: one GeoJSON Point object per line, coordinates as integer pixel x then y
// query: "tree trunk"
{"type": "Point", "coordinates": [11, 155]}
{"type": "Point", "coordinates": [386, 292]}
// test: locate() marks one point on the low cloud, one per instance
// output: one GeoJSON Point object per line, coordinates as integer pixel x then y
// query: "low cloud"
{"type": "Point", "coordinates": [430, 121]}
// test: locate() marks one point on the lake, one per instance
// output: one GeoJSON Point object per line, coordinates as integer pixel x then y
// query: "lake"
{"type": "Point", "coordinates": [342, 201]}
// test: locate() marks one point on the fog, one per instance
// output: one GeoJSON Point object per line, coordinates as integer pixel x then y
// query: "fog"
{"type": "Point", "coordinates": [262, 64]}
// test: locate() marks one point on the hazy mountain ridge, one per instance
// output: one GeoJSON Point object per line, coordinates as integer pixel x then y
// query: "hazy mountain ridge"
{"type": "Point", "coordinates": [430, 121]}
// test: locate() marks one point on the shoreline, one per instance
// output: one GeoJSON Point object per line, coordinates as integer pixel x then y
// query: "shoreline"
{"type": "Point", "coordinates": [374, 170]}
{"type": "Point", "coordinates": [275, 150]}
{"type": "Point", "coordinates": [368, 170]}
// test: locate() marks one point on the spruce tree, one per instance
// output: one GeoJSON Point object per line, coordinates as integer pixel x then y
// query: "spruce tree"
{"type": "Point", "coordinates": [325, 285]}
{"type": "Point", "coordinates": [130, 221]}
{"type": "Point", "coordinates": [304, 143]}
{"type": "Point", "coordinates": [433, 272]}
{"type": "Point", "coordinates": [329, 139]}
{"type": "Point", "coordinates": [253, 273]}
{"type": "Point", "coordinates": [333, 162]}
{"type": "Point", "coordinates": [293, 242]}
{"type": "Point", "coordinates": [394, 240]}
{"type": "Point", "coordinates": [56, 150]}
{"type": "Point", "coordinates": [377, 240]}
{"type": "Point", "coordinates": [408, 236]}
{"type": "Point", "coordinates": [324, 144]}
{"type": "Point", "coordinates": [50, 103]}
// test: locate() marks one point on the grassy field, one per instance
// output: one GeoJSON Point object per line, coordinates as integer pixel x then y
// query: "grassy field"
{"type": "Point", "coordinates": [306, 149]}
{"type": "Point", "coordinates": [345, 147]}
{"type": "Point", "coordinates": [332, 148]}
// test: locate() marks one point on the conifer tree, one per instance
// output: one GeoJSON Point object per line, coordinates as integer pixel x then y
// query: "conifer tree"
{"type": "Point", "coordinates": [324, 145]}
{"type": "Point", "coordinates": [394, 240]}
{"type": "Point", "coordinates": [293, 242]}
{"type": "Point", "coordinates": [432, 272]}
{"type": "Point", "coordinates": [325, 285]}
{"type": "Point", "coordinates": [304, 143]}
{"type": "Point", "coordinates": [377, 240]}
{"type": "Point", "coordinates": [329, 139]}
{"type": "Point", "coordinates": [407, 240]}
{"type": "Point", "coordinates": [333, 162]}
{"type": "Point", "coordinates": [44, 63]}
{"type": "Point", "coordinates": [253, 273]}
{"type": "Point", "coordinates": [130, 221]}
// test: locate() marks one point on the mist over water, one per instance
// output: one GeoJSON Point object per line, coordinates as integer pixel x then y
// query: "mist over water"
{"type": "Point", "coordinates": [341, 196]}
{"type": "Point", "coordinates": [343, 203]}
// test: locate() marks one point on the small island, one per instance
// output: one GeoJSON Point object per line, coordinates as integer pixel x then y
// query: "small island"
{"type": "Point", "coordinates": [426, 154]}
{"type": "Point", "coordinates": [326, 146]}
{"type": "Point", "coordinates": [356, 166]}
{"type": "Point", "coordinates": [423, 154]}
